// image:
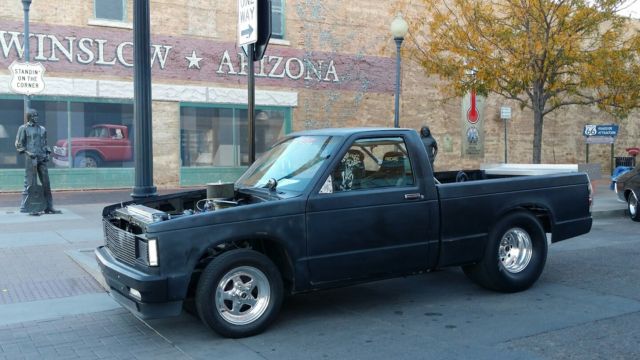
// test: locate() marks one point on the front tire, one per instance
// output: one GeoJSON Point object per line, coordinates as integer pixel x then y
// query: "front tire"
{"type": "Point", "coordinates": [515, 254]}
{"type": "Point", "coordinates": [86, 160]}
{"type": "Point", "coordinates": [239, 293]}
{"type": "Point", "coordinates": [632, 207]}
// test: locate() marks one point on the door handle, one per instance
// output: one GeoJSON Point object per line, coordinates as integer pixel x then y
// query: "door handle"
{"type": "Point", "coordinates": [414, 196]}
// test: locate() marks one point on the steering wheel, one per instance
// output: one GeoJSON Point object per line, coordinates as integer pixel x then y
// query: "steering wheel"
{"type": "Point", "coordinates": [462, 176]}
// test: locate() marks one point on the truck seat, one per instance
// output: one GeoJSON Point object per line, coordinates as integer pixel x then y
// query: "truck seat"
{"type": "Point", "coordinates": [391, 171]}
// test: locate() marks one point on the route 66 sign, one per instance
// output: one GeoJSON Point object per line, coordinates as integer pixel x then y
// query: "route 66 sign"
{"type": "Point", "coordinates": [590, 130]}
{"type": "Point", "coordinates": [27, 78]}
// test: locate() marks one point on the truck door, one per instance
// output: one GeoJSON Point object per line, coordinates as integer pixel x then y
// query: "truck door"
{"type": "Point", "coordinates": [119, 148]}
{"type": "Point", "coordinates": [371, 216]}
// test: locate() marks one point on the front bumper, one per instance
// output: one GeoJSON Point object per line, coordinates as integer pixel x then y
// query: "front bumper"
{"type": "Point", "coordinates": [154, 302]}
{"type": "Point", "coordinates": [619, 190]}
{"type": "Point", "coordinates": [60, 162]}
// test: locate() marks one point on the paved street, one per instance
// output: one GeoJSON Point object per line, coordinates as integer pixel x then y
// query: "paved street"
{"type": "Point", "coordinates": [585, 306]}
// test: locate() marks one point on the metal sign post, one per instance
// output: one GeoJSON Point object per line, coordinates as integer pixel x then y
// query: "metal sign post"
{"type": "Point", "coordinates": [254, 32]}
{"type": "Point", "coordinates": [251, 107]}
{"type": "Point", "coordinates": [505, 114]}
{"type": "Point", "coordinates": [26, 4]}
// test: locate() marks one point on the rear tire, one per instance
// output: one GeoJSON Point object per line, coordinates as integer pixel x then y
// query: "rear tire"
{"type": "Point", "coordinates": [515, 254]}
{"type": "Point", "coordinates": [239, 293]}
{"type": "Point", "coordinates": [632, 207]}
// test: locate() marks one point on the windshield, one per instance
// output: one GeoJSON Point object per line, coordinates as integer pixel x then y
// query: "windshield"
{"type": "Point", "coordinates": [293, 163]}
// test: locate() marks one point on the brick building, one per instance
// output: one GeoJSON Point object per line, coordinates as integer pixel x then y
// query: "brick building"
{"type": "Point", "coordinates": [330, 64]}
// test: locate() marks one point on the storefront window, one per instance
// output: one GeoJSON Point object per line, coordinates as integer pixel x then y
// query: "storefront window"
{"type": "Point", "coordinates": [11, 117]}
{"type": "Point", "coordinates": [269, 127]}
{"type": "Point", "coordinates": [219, 137]}
{"type": "Point", "coordinates": [94, 134]}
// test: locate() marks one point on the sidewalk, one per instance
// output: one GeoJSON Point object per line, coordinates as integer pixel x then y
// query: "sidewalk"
{"type": "Point", "coordinates": [50, 307]}
{"type": "Point", "coordinates": [78, 197]}
{"type": "Point", "coordinates": [605, 201]}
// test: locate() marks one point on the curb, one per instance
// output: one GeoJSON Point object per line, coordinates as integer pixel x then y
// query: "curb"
{"type": "Point", "coordinates": [85, 259]}
{"type": "Point", "coordinates": [609, 214]}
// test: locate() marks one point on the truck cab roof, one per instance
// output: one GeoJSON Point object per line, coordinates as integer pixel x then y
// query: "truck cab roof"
{"type": "Point", "coordinates": [345, 132]}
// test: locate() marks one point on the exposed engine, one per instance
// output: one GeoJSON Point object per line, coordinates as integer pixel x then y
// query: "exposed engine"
{"type": "Point", "coordinates": [217, 197]}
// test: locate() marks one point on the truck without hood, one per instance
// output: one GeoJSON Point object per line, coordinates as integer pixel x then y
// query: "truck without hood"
{"type": "Point", "coordinates": [105, 143]}
{"type": "Point", "coordinates": [328, 208]}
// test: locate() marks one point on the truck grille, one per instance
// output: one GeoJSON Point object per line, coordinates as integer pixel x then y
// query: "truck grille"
{"type": "Point", "coordinates": [122, 244]}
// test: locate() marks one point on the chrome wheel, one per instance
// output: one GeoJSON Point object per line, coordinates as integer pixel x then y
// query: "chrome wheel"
{"type": "Point", "coordinates": [86, 162]}
{"type": "Point", "coordinates": [515, 250]}
{"type": "Point", "coordinates": [519, 242]}
{"type": "Point", "coordinates": [242, 295]}
{"type": "Point", "coordinates": [633, 205]}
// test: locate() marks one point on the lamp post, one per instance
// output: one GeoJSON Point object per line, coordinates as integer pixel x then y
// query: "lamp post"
{"type": "Point", "coordinates": [143, 150]}
{"type": "Point", "coordinates": [399, 28]}
{"type": "Point", "coordinates": [25, 7]}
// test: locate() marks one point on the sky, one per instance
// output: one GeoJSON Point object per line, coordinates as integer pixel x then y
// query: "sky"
{"type": "Point", "coordinates": [633, 9]}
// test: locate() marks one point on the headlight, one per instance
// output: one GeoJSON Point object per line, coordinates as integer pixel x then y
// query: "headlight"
{"type": "Point", "coordinates": [135, 294]}
{"type": "Point", "coordinates": [60, 150]}
{"type": "Point", "coordinates": [153, 252]}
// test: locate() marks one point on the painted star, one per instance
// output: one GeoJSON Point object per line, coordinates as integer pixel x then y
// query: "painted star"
{"type": "Point", "coordinates": [194, 61]}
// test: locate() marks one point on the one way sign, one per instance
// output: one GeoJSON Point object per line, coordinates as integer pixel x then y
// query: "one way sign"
{"type": "Point", "coordinates": [247, 22]}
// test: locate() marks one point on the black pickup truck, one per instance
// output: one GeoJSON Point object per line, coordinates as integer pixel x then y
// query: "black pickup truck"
{"type": "Point", "coordinates": [328, 208]}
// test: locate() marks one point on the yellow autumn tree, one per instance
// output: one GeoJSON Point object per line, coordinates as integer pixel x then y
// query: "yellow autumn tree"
{"type": "Point", "coordinates": [543, 54]}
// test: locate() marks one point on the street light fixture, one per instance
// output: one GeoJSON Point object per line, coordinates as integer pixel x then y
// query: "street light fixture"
{"type": "Point", "coordinates": [399, 28]}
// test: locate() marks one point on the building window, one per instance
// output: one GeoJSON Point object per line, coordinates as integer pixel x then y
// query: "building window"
{"type": "Point", "coordinates": [80, 134]}
{"type": "Point", "coordinates": [277, 19]}
{"type": "Point", "coordinates": [218, 136]}
{"type": "Point", "coordinates": [110, 9]}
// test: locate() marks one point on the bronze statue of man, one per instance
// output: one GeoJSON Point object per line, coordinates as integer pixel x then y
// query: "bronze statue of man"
{"type": "Point", "coordinates": [31, 140]}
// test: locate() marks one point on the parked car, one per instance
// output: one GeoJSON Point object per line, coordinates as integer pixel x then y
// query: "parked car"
{"type": "Point", "coordinates": [329, 208]}
{"type": "Point", "coordinates": [105, 143]}
{"type": "Point", "coordinates": [627, 186]}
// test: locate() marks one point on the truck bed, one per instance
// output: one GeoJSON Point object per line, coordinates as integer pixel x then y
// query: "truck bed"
{"type": "Point", "coordinates": [482, 202]}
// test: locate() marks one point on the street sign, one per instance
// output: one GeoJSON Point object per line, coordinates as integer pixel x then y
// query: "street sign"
{"type": "Point", "coordinates": [600, 140]}
{"type": "Point", "coordinates": [505, 113]}
{"type": "Point", "coordinates": [27, 78]}
{"type": "Point", "coordinates": [263, 29]}
{"type": "Point", "coordinates": [601, 130]}
{"type": "Point", "coordinates": [247, 22]}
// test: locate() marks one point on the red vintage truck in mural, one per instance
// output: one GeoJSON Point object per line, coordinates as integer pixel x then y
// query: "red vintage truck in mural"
{"type": "Point", "coordinates": [105, 143]}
